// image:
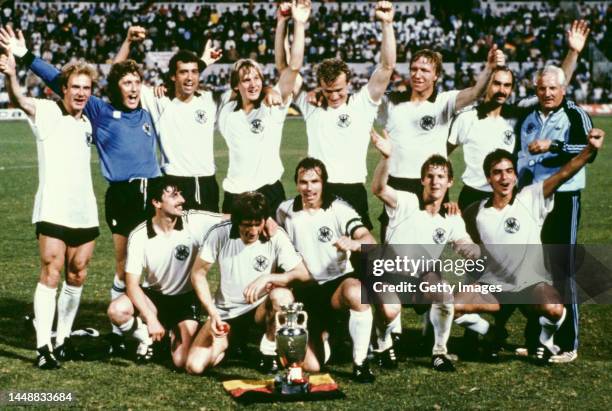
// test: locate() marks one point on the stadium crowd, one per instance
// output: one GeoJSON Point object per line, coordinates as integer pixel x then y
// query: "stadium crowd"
{"type": "Point", "coordinates": [529, 36]}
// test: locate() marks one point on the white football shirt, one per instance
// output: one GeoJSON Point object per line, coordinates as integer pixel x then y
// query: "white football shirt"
{"type": "Point", "coordinates": [65, 194]}
{"type": "Point", "coordinates": [167, 258]}
{"type": "Point", "coordinates": [339, 137]}
{"type": "Point", "coordinates": [314, 233]}
{"type": "Point", "coordinates": [417, 131]}
{"type": "Point", "coordinates": [240, 264]}
{"type": "Point", "coordinates": [517, 226]}
{"type": "Point", "coordinates": [479, 137]}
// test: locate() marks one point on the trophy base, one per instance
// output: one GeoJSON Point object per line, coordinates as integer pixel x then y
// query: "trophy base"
{"type": "Point", "coordinates": [284, 387]}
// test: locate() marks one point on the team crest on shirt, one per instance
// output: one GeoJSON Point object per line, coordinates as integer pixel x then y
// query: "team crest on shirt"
{"type": "Point", "coordinates": [200, 116]}
{"type": "Point", "coordinates": [261, 263]}
{"type": "Point", "coordinates": [530, 128]}
{"type": "Point", "coordinates": [344, 120]}
{"type": "Point", "coordinates": [325, 234]}
{"type": "Point", "coordinates": [508, 137]}
{"type": "Point", "coordinates": [439, 236]}
{"type": "Point", "coordinates": [88, 139]}
{"type": "Point", "coordinates": [146, 127]}
{"type": "Point", "coordinates": [257, 126]}
{"type": "Point", "coordinates": [181, 252]}
{"type": "Point", "coordinates": [427, 122]}
{"type": "Point", "coordinates": [511, 225]}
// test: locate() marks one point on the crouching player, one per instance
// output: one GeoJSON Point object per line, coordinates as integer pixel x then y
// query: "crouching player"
{"type": "Point", "coordinates": [426, 224]}
{"type": "Point", "coordinates": [254, 274]}
{"type": "Point", "coordinates": [165, 246]}
{"type": "Point", "coordinates": [515, 219]}
{"type": "Point", "coordinates": [326, 230]}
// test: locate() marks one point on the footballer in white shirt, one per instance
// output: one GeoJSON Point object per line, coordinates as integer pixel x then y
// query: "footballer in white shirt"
{"type": "Point", "coordinates": [426, 225]}
{"type": "Point", "coordinates": [511, 217]}
{"type": "Point", "coordinates": [165, 248]}
{"type": "Point", "coordinates": [326, 231]}
{"type": "Point", "coordinates": [65, 211]}
{"type": "Point", "coordinates": [255, 271]}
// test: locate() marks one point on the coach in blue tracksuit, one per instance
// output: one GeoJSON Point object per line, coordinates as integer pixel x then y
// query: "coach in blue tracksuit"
{"type": "Point", "coordinates": [551, 135]}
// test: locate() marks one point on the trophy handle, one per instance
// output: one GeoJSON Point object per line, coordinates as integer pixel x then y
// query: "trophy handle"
{"type": "Point", "coordinates": [304, 318]}
{"type": "Point", "coordinates": [278, 317]}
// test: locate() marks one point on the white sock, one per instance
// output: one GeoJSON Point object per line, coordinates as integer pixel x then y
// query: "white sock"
{"type": "Point", "coordinates": [116, 291]}
{"type": "Point", "coordinates": [360, 328]}
{"type": "Point", "coordinates": [384, 340]}
{"type": "Point", "coordinates": [266, 346]}
{"type": "Point", "coordinates": [139, 331]}
{"type": "Point", "coordinates": [44, 311]}
{"type": "Point", "coordinates": [441, 316]}
{"type": "Point", "coordinates": [67, 307]}
{"type": "Point", "coordinates": [549, 329]}
{"type": "Point", "coordinates": [473, 322]}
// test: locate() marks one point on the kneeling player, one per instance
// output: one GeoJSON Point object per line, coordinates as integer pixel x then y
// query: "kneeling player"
{"type": "Point", "coordinates": [426, 224]}
{"type": "Point", "coordinates": [252, 288]}
{"type": "Point", "coordinates": [165, 247]}
{"type": "Point", "coordinates": [511, 218]}
{"type": "Point", "coordinates": [326, 230]}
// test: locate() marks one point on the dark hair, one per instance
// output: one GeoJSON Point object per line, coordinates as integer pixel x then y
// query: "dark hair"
{"type": "Point", "coordinates": [310, 163]}
{"type": "Point", "coordinates": [495, 157]}
{"type": "Point", "coordinates": [504, 69]}
{"type": "Point", "coordinates": [437, 161]}
{"type": "Point", "coordinates": [157, 186]}
{"type": "Point", "coordinates": [117, 72]}
{"type": "Point", "coordinates": [183, 56]}
{"type": "Point", "coordinates": [330, 69]}
{"type": "Point", "coordinates": [432, 57]}
{"type": "Point", "coordinates": [249, 206]}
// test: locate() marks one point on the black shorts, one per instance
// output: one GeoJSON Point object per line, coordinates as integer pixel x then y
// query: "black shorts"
{"type": "Point", "coordinates": [242, 327]}
{"type": "Point", "coordinates": [73, 237]}
{"type": "Point", "coordinates": [125, 204]}
{"type": "Point", "coordinates": [357, 196]}
{"type": "Point", "coordinates": [470, 195]}
{"type": "Point", "coordinates": [173, 309]}
{"type": "Point", "coordinates": [274, 193]}
{"type": "Point", "coordinates": [200, 193]}
{"type": "Point", "coordinates": [317, 299]}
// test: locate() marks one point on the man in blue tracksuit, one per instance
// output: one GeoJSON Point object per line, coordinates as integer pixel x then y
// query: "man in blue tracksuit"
{"type": "Point", "coordinates": [551, 135]}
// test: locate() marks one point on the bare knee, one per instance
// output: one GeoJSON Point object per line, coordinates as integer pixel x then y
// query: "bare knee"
{"type": "Point", "coordinates": [279, 297]}
{"type": "Point", "coordinates": [120, 310]}
{"type": "Point", "coordinates": [554, 312]}
{"type": "Point", "coordinates": [351, 294]}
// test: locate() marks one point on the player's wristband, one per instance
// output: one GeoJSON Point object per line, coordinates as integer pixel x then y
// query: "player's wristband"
{"type": "Point", "coordinates": [28, 58]}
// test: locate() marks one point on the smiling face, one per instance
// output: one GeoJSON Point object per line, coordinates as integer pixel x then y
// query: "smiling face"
{"type": "Point", "coordinates": [502, 178]}
{"type": "Point", "coordinates": [423, 76]}
{"type": "Point", "coordinates": [335, 92]}
{"type": "Point", "coordinates": [436, 183]}
{"type": "Point", "coordinates": [129, 86]}
{"type": "Point", "coordinates": [76, 93]}
{"type": "Point", "coordinates": [550, 92]}
{"type": "Point", "coordinates": [186, 80]}
{"type": "Point", "coordinates": [171, 204]}
{"type": "Point", "coordinates": [310, 187]}
{"type": "Point", "coordinates": [250, 230]}
{"type": "Point", "coordinates": [250, 85]}
{"type": "Point", "coordinates": [500, 87]}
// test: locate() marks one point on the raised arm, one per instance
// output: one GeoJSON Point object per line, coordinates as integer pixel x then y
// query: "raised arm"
{"type": "Point", "coordinates": [16, 97]}
{"type": "Point", "coordinates": [281, 38]}
{"type": "Point", "coordinates": [576, 39]}
{"type": "Point", "coordinates": [379, 181]}
{"type": "Point", "coordinates": [596, 138]}
{"type": "Point", "coordinates": [300, 10]}
{"type": "Point", "coordinates": [134, 34]}
{"type": "Point", "coordinates": [380, 78]}
{"type": "Point", "coordinates": [467, 96]}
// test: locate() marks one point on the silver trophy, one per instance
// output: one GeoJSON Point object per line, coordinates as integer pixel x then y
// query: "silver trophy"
{"type": "Point", "coordinates": [291, 345]}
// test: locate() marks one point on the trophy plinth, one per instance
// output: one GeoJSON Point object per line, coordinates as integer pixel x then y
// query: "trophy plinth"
{"type": "Point", "coordinates": [291, 345]}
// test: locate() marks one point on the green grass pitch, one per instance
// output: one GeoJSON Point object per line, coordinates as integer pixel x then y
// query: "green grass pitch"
{"type": "Point", "coordinates": [118, 383]}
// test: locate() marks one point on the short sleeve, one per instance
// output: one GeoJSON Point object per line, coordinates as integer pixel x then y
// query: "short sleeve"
{"type": "Point", "coordinates": [458, 231]}
{"type": "Point", "coordinates": [286, 256]}
{"type": "Point", "coordinates": [301, 101]}
{"type": "Point", "coordinates": [348, 219]}
{"type": "Point", "coordinates": [407, 203]}
{"type": "Point", "coordinates": [282, 213]}
{"type": "Point", "coordinates": [532, 196]}
{"type": "Point", "coordinates": [135, 255]}
{"type": "Point", "coordinates": [366, 105]}
{"type": "Point", "coordinates": [155, 106]}
{"type": "Point", "coordinates": [449, 104]}
{"type": "Point", "coordinates": [201, 222]}
{"type": "Point", "coordinates": [210, 247]}
{"type": "Point", "coordinates": [459, 128]}
{"type": "Point", "coordinates": [382, 116]}
{"type": "Point", "coordinates": [44, 118]}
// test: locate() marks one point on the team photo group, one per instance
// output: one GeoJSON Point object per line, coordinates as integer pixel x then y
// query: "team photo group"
{"type": "Point", "coordinates": [174, 226]}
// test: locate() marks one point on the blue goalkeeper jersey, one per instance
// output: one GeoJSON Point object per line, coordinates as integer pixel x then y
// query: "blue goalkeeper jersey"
{"type": "Point", "coordinates": [126, 140]}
